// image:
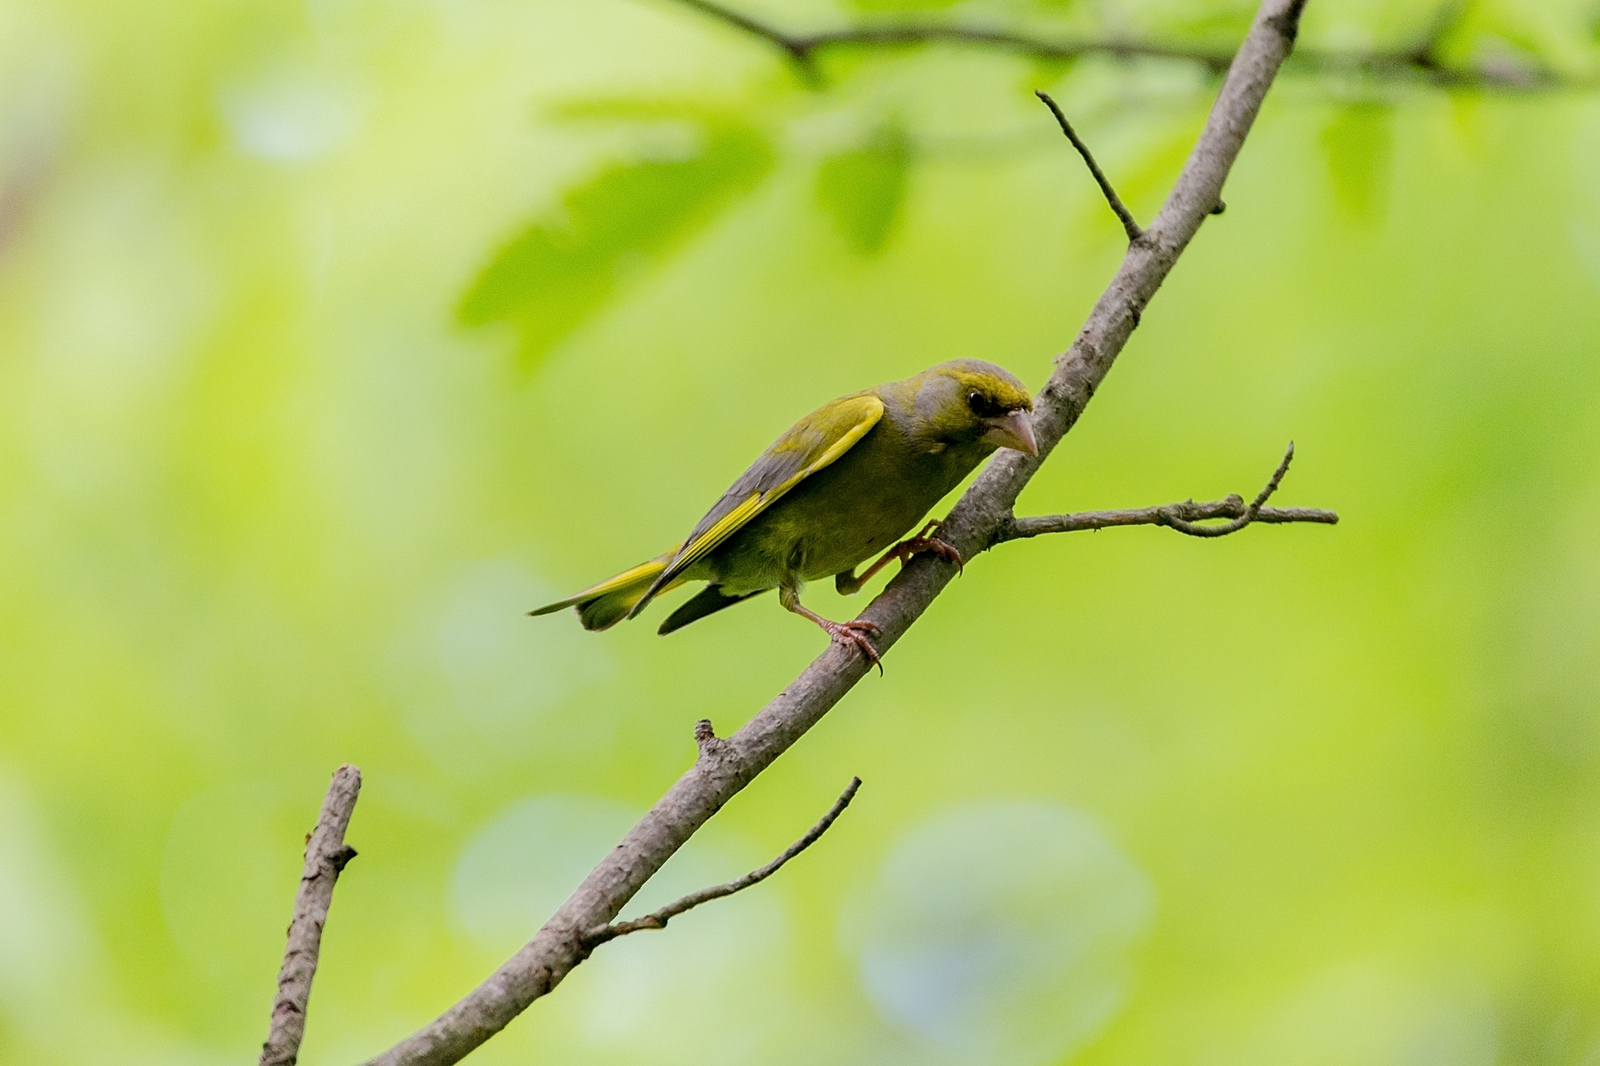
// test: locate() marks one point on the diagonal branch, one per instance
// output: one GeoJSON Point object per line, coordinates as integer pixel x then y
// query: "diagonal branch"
{"type": "Point", "coordinates": [326, 857]}
{"type": "Point", "coordinates": [658, 919]}
{"type": "Point", "coordinates": [726, 767]}
{"type": "Point", "coordinates": [1179, 516]}
{"type": "Point", "coordinates": [1130, 225]}
{"type": "Point", "coordinates": [1418, 62]}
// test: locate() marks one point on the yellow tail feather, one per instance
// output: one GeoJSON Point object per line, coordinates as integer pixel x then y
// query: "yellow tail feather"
{"type": "Point", "coordinates": [604, 605]}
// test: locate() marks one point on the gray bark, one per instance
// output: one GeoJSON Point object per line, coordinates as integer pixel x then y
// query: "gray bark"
{"type": "Point", "coordinates": [326, 857]}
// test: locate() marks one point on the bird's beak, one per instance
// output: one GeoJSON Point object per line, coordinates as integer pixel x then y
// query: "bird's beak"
{"type": "Point", "coordinates": [1013, 430]}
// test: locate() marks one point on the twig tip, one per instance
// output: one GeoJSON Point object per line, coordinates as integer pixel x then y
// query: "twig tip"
{"type": "Point", "coordinates": [1130, 225]}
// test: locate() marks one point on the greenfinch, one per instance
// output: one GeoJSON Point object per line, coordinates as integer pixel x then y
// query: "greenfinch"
{"type": "Point", "coordinates": [843, 484]}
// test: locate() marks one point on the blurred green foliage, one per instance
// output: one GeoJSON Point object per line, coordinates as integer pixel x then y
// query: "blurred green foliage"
{"type": "Point", "coordinates": [863, 188]}
{"type": "Point", "coordinates": [558, 272]}
{"type": "Point", "coordinates": [334, 336]}
{"type": "Point", "coordinates": [1360, 147]}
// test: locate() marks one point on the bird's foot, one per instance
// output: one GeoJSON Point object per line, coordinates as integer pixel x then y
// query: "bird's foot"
{"type": "Point", "coordinates": [849, 584]}
{"type": "Point", "coordinates": [855, 633]}
{"type": "Point", "coordinates": [928, 541]}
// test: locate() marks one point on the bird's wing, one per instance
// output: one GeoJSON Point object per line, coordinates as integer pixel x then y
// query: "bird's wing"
{"type": "Point", "coordinates": [810, 445]}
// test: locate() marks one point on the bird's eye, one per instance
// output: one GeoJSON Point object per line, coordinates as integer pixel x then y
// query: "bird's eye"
{"type": "Point", "coordinates": [981, 405]}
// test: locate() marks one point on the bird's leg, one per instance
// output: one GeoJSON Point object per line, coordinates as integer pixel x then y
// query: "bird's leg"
{"type": "Point", "coordinates": [855, 633]}
{"type": "Point", "coordinates": [848, 584]}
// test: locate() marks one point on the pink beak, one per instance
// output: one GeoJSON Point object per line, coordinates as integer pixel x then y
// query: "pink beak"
{"type": "Point", "coordinates": [1012, 430]}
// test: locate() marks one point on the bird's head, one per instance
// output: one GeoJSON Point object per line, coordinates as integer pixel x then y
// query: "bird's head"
{"type": "Point", "coordinates": [968, 400]}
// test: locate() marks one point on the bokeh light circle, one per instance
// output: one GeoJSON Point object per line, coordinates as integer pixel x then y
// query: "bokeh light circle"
{"type": "Point", "coordinates": [999, 933]}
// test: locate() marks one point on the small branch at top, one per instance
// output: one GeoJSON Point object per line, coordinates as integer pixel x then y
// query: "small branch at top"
{"type": "Point", "coordinates": [798, 49]}
{"type": "Point", "coordinates": [658, 919]}
{"type": "Point", "coordinates": [1183, 517]}
{"type": "Point", "coordinates": [326, 857]}
{"type": "Point", "coordinates": [1416, 62]}
{"type": "Point", "coordinates": [1130, 225]}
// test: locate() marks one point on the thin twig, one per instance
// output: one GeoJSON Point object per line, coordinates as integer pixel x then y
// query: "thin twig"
{"type": "Point", "coordinates": [658, 919]}
{"type": "Point", "coordinates": [727, 767]}
{"type": "Point", "coordinates": [1417, 63]}
{"type": "Point", "coordinates": [1130, 225]}
{"type": "Point", "coordinates": [1250, 513]}
{"type": "Point", "coordinates": [326, 857]}
{"type": "Point", "coordinates": [1179, 516]}
{"type": "Point", "coordinates": [1167, 514]}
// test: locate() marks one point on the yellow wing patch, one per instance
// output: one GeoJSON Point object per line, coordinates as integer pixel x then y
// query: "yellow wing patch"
{"type": "Point", "coordinates": [726, 526]}
{"type": "Point", "coordinates": [860, 412]}
{"type": "Point", "coordinates": [703, 545]}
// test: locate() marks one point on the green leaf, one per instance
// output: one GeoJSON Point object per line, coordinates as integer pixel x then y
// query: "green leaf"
{"type": "Point", "coordinates": [863, 189]}
{"type": "Point", "coordinates": [563, 268]}
{"type": "Point", "coordinates": [1359, 143]}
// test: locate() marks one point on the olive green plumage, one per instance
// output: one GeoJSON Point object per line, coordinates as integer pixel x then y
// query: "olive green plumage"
{"type": "Point", "coordinates": [843, 484]}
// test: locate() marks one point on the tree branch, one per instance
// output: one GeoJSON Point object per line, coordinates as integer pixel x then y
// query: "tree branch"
{"type": "Point", "coordinates": [1171, 515]}
{"type": "Point", "coordinates": [326, 857]}
{"type": "Point", "coordinates": [1179, 516]}
{"type": "Point", "coordinates": [658, 919]}
{"type": "Point", "coordinates": [1130, 225]}
{"type": "Point", "coordinates": [1419, 62]}
{"type": "Point", "coordinates": [724, 768]}
{"type": "Point", "coordinates": [798, 48]}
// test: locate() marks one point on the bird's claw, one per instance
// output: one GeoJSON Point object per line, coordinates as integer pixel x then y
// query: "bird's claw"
{"type": "Point", "coordinates": [927, 540]}
{"type": "Point", "coordinates": [856, 633]}
{"type": "Point", "coordinates": [947, 552]}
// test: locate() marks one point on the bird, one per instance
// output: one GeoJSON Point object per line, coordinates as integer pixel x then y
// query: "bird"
{"type": "Point", "coordinates": [844, 483]}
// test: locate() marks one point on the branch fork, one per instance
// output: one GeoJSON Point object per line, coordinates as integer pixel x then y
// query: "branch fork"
{"type": "Point", "coordinates": [658, 919]}
{"type": "Point", "coordinates": [1130, 225]}
{"type": "Point", "coordinates": [711, 746]}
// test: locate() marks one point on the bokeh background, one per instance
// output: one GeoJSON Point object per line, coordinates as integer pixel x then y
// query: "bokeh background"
{"type": "Point", "coordinates": [334, 335]}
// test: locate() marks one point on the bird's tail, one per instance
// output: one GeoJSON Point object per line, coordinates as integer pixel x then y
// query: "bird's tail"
{"type": "Point", "coordinates": [604, 605]}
